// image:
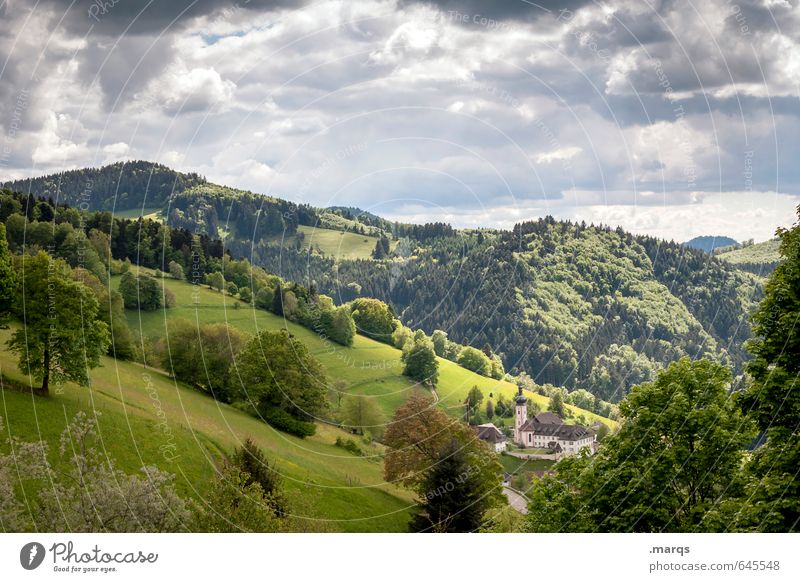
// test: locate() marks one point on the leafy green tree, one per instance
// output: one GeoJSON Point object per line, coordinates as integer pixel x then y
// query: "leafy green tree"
{"type": "Point", "coordinates": [277, 371]}
{"type": "Point", "coordinates": [439, 339]}
{"type": "Point", "coordinates": [203, 356]}
{"type": "Point", "coordinates": [143, 292]}
{"type": "Point", "coordinates": [7, 279]}
{"type": "Point", "coordinates": [556, 404]}
{"type": "Point", "coordinates": [277, 299]}
{"type": "Point", "coordinates": [473, 401]}
{"type": "Point", "coordinates": [678, 452]}
{"type": "Point", "coordinates": [420, 437]}
{"type": "Point", "coordinates": [455, 497]}
{"type": "Point", "coordinates": [264, 298]}
{"type": "Point", "coordinates": [176, 270]}
{"type": "Point", "coordinates": [216, 280]}
{"type": "Point", "coordinates": [475, 360]}
{"type": "Point", "coordinates": [420, 361]}
{"type": "Point", "coordinates": [373, 318]}
{"type": "Point", "coordinates": [772, 495]}
{"type": "Point", "coordinates": [363, 414]}
{"type": "Point", "coordinates": [489, 410]}
{"type": "Point", "coordinates": [62, 337]}
{"type": "Point", "coordinates": [245, 294]}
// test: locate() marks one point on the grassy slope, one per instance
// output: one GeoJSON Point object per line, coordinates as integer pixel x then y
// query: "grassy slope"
{"type": "Point", "coordinates": [763, 252]}
{"type": "Point", "coordinates": [153, 213]}
{"type": "Point", "coordinates": [368, 367]}
{"type": "Point", "coordinates": [347, 490]}
{"type": "Point", "coordinates": [338, 244]}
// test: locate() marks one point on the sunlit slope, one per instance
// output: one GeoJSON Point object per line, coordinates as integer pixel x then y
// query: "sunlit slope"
{"type": "Point", "coordinates": [368, 367]}
{"type": "Point", "coordinates": [143, 411]}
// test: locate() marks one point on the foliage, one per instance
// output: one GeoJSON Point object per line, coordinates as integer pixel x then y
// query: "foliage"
{"type": "Point", "coordinates": [420, 361]}
{"type": "Point", "coordinates": [456, 499]}
{"type": "Point", "coordinates": [90, 494]}
{"type": "Point", "coordinates": [556, 404]}
{"type": "Point", "coordinates": [62, 337]}
{"type": "Point", "coordinates": [419, 438]}
{"type": "Point", "coordinates": [678, 451]}
{"type": "Point", "coordinates": [7, 279]}
{"type": "Point", "coordinates": [236, 503]}
{"type": "Point", "coordinates": [362, 413]}
{"type": "Point", "coordinates": [475, 360]}
{"type": "Point", "coordinates": [373, 318]}
{"type": "Point", "coordinates": [144, 293]}
{"type": "Point", "coordinates": [771, 499]}
{"type": "Point", "coordinates": [203, 355]}
{"type": "Point", "coordinates": [250, 460]}
{"type": "Point", "coordinates": [280, 377]}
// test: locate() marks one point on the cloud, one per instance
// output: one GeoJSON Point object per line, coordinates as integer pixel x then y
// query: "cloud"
{"type": "Point", "coordinates": [566, 107]}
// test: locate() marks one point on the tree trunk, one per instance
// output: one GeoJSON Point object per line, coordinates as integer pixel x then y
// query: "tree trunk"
{"type": "Point", "coordinates": [46, 372]}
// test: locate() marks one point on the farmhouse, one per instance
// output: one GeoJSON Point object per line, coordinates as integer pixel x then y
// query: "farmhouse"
{"type": "Point", "coordinates": [548, 431]}
{"type": "Point", "coordinates": [489, 433]}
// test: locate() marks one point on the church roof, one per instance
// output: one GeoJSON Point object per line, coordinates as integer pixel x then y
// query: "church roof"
{"type": "Point", "coordinates": [567, 432]}
{"type": "Point", "coordinates": [489, 433]}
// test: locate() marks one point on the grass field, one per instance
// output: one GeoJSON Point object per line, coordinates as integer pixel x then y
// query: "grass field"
{"type": "Point", "coordinates": [153, 213]}
{"type": "Point", "coordinates": [345, 492]}
{"type": "Point", "coordinates": [762, 253]}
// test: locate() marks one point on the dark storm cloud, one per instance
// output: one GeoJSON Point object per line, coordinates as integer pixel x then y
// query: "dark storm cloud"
{"type": "Point", "coordinates": [149, 17]}
{"type": "Point", "coordinates": [499, 10]}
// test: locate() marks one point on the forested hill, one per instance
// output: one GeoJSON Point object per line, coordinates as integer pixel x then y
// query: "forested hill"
{"type": "Point", "coordinates": [120, 186]}
{"type": "Point", "coordinates": [571, 305]}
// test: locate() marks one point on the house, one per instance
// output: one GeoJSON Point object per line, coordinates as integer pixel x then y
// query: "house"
{"type": "Point", "coordinates": [490, 434]}
{"type": "Point", "coordinates": [548, 431]}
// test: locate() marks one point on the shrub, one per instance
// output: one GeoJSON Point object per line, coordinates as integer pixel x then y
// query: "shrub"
{"type": "Point", "coordinates": [285, 422]}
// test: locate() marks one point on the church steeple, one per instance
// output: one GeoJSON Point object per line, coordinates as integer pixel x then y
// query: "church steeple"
{"type": "Point", "coordinates": [521, 414]}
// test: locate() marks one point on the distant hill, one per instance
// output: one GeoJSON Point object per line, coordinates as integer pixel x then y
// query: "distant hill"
{"type": "Point", "coordinates": [760, 258]}
{"type": "Point", "coordinates": [709, 243]}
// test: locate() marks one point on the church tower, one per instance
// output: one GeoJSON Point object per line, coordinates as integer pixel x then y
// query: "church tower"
{"type": "Point", "coordinates": [520, 415]}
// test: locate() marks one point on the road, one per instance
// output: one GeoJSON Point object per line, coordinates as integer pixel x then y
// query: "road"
{"type": "Point", "coordinates": [516, 500]}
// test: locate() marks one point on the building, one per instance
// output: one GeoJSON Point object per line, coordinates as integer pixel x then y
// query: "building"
{"type": "Point", "coordinates": [548, 431]}
{"type": "Point", "coordinates": [490, 434]}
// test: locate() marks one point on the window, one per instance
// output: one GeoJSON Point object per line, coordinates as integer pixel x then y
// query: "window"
{"type": "Point", "coordinates": [529, 437]}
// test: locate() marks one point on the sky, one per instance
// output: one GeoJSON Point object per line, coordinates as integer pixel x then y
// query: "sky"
{"type": "Point", "coordinates": [671, 118]}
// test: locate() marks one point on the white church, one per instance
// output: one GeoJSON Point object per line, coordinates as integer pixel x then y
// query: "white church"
{"type": "Point", "coordinates": [548, 431]}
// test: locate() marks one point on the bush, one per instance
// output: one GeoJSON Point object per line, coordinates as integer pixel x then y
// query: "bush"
{"type": "Point", "coordinates": [285, 422]}
{"type": "Point", "coordinates": [349, 445]}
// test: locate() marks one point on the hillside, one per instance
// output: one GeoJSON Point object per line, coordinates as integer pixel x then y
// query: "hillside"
{"type": "Point", "coordinates": [569, 304]}
{"type": "Point", "coordinates": [710, 243]}
{"type": "Point", "coordinates": [347, 492]}
{"type": "Point", "coordinates": [369, 367]}
{"type": "Point", "coordinates": [760, 258]}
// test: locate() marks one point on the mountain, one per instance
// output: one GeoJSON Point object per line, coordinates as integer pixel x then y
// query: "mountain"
{"type": "Point", "coordinates": [710, 243]}
{"type": "Point", "coordinates": [570, 304]}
